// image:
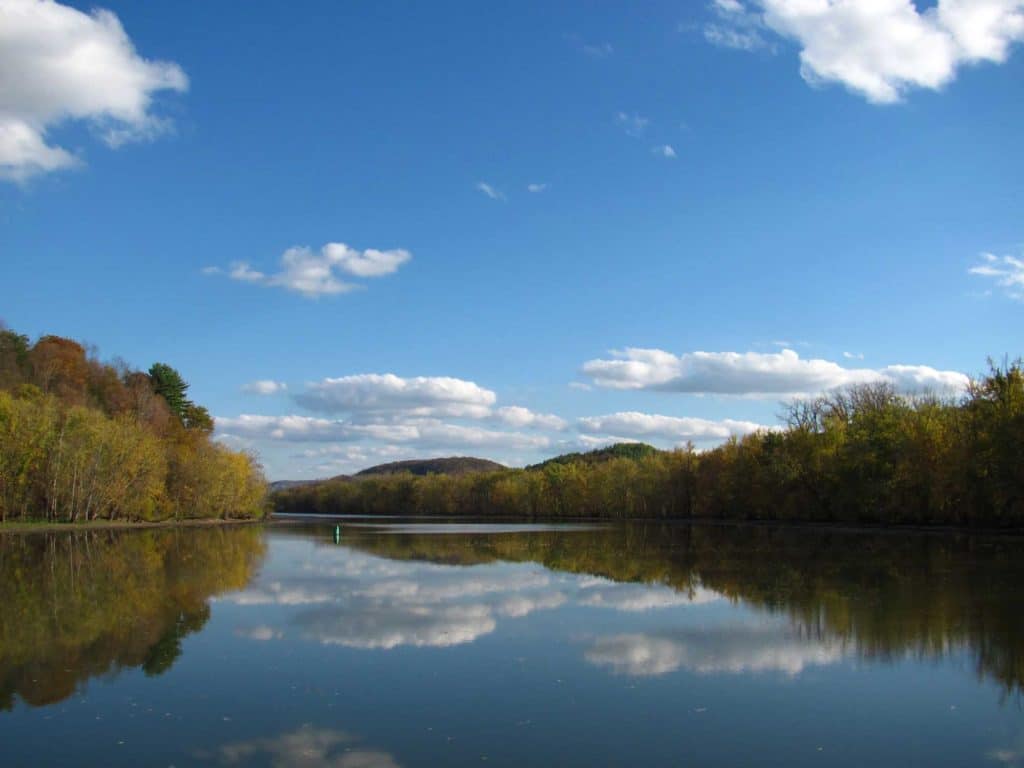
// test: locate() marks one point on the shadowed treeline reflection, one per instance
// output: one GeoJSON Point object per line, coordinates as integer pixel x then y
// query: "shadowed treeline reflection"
{"type": "Point", "coordinates": [880, 595]}
{"type": "Point", "coordinates": [85, 603]}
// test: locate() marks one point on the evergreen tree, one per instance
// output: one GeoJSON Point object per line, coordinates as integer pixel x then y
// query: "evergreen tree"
{"type": "Point", "coordinates": [167, 383]}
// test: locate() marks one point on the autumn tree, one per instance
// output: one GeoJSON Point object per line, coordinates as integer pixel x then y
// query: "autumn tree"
{"type": "Point", "coordinates": [59, 366]}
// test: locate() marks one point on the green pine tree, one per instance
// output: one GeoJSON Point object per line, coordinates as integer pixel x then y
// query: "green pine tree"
{"type": "Point", "coordinates": [168, 383]}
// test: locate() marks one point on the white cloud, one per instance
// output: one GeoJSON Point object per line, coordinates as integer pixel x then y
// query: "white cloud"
{"type": "Point", "coordinates": [522, 605]}
{"type": "Point", "coordinates": [754, 374]}
{"type": "Point", "coordinates": [633, 124]}
{"type": "Point", "coordinates": [279, 593]}
{"type": "Point", "coordinates": [390, 625]}
{"type": "Point", "coordinates": [639, 598]}
{"type": "Point", "coordinates": [1006, 271]}
{"type": "Point", "coordinates": [677, 429]}
{"type": "Point", "coordinates": [536, 187]}
{"type": "Point", "coordinates": [420, 395]}
{"type": "Point", "coordinates": [665, 150]}
{"type": "Point", "coordinates": [719, 650]}
{"type": "Point", "coordinates": [306, 747]}
{"type": "Point", "coordinates": [265, 387]}
{"type": "Point", "coordinates": [368, 263]}
{"type": "Point", "coordinates": [491, 192]}
{"type": "Point", "coordinates": [315, 274]}
{"type": "Point", "coordinates": [879, 49]}
{"type": "Point", "coordinates": [422, 433]}
{"type": "Point", "coordinates": [416, 604]}
{"type": "Point", "coordinates": [436, 433]}
{"type": "Point", "coordinates": [439, 587]}
{"type": "Point", "coordinates": [261, 633]}
{"type": "Point", "coordinates": [374, 417]}
{"type": "Point", "coordinates": [853, 355]}
{"type": "Point", "coordinates": [58, 64]}
{"type": "Point", "coordinates": [292, 428]}
{"type": "Point", "coordinates": [735, 27]}
{"type": "Point", "coordinates": [517, 416]}
{"type": "Point", "coordinates": [1006, 756]}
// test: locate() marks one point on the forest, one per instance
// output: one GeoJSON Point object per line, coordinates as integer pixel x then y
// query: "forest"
{"type": "Point", "coordinates": [863, 455]}
{"type": "Point", "coordinates": [84, 440]}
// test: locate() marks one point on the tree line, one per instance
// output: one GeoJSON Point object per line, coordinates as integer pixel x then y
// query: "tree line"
{"type": "Point", "coordinates": [865, 454]}
{"type": "Point", "coordinates": [82, 440]}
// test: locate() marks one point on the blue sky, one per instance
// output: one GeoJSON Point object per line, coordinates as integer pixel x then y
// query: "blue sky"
{"type": "Point", "coordinates": [496, 205]}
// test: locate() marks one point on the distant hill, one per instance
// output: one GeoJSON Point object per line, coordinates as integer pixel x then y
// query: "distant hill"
{"type": "Point", "coordinates": [465, 465]}
{"type": "Point", "coordinates": [616, 451]}
{"type": "Point", "coordinates": [453, 465]}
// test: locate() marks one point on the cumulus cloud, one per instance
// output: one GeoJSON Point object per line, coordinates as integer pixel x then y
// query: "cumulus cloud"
{"type": "Point", "coordinates": [665, 150]}
{"type": "Point", "coordinates": [58, 64]}
{"type": "Point", "coordinates": [318, 273]}
{"type": "Point", "coordinates": [517, 416]}
{"type": "Point", "coordinates": [677, 429]}
{"type": "Point", "coordinates": [372, 417]}
{"type": "Point", "coordinates": [491, 192]}
{"type": "Point", "coordinates": [717, 650]}
{"type": "Point", "coordinates": [423, 433]}
{"type": "Point", "coordinates": [419, 396]}
{"type": "Point", "coordinates": [290, 427]}
{"type": "Point", "coordinates": [1006, 271]}
{"type": "Point", "coordinates": [265, 387]}
{"type": "Point", "coordinates": [879, 49]}
{"type": "Point", "coordinates": [755, 374]}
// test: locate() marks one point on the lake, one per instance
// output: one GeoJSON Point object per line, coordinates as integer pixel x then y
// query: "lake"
{"type": "Point", "coordinates": [385, 643]}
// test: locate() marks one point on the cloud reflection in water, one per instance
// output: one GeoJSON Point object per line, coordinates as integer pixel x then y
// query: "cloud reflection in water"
{"type": "Point", "coordinates": [348, 598]}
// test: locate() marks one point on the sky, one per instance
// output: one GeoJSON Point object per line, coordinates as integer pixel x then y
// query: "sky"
{"type": "Point", "coordinates": [365, 232]}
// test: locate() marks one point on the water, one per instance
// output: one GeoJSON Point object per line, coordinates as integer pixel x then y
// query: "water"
{"type": "Point", "coordinates": [407, 645]}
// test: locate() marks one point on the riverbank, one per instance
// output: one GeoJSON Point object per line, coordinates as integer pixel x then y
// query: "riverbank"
{"type": "Point", "coordinates": [867, 456]}
{"type": "Point", "coordinates": [831, 526]}
{"type": "Point", "coordinates": [40, 526]}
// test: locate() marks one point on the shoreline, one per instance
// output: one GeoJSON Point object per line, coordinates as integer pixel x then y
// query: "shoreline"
{"type": "Point", "coordinates": [292, 518]}
{"type": "Point", "coordinates": [45, 526]}
{"type": "Point", "coordinates": [284, 519]}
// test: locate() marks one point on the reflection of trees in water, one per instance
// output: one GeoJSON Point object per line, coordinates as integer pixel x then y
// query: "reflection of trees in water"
{"type": "Point", "coordinates": [85, 603]}
{"type": "Point", "coordinates": [884, 594]}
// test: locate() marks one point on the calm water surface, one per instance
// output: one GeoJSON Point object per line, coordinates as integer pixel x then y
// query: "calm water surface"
{"type": "Point", "coordinates": [417, 645]}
